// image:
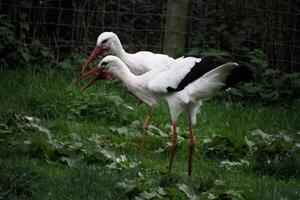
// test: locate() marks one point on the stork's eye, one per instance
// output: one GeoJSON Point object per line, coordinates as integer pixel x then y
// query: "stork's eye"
{"type": "Point", "coordinates": [104, 63]}
{"type": "Point", "coordinates": [104, 41]}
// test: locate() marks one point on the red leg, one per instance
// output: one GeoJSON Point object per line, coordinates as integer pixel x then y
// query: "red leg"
{"type": "Point", "coordinates": [174, 145]}
{"type": "Point", "coordinates": [146, 128]}
{"type": "Point", "coordinates": [192, 147]}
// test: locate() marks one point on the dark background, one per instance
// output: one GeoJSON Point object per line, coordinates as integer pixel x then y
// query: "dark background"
{"type": "Point", "coordinates": [233, 26]}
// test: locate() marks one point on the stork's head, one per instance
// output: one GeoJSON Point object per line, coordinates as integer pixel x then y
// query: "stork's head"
{"type": "Point", "coordinates": [108, 43]}
{"type": "Point", "coordinates": [104, 70]}
{"type": "Point", "coordinates": [111, 64]}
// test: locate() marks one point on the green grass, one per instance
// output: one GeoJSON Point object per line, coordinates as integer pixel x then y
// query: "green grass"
{"type": "Point", "coordinates": [49, 95]}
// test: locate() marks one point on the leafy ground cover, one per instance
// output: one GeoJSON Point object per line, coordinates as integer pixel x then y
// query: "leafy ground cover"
{"type": "Point", "coordinates": [57, 143]}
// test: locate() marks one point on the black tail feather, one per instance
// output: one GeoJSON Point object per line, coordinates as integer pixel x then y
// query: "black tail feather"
{"type": "Point", "coordinates": [243, 72]}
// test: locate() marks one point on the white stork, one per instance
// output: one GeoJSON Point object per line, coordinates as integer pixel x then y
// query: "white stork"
{"type": "Point", "coordinates": [183, 86]}
{"type": "Point", "coordinates": [108, 43]}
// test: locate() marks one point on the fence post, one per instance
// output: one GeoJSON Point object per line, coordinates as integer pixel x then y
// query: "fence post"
{"type": "Point", "coordinates": [175, 26]}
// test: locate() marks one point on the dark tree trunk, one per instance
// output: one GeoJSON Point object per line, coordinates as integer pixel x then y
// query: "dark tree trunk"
{"type": "Point", "coordinates": [175, 27]}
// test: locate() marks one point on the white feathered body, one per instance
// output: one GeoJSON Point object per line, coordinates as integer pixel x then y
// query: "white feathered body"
{"type": "Point", "coordinates": [151, 86]}
{"type": "Point", "coordinates": [144, 61]}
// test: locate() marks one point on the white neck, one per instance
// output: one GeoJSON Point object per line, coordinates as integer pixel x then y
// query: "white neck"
{"type": "Point", "coordinates": [136, 84]}
{"type": "Point", "coordinates": [123, 73]}
{"type": "Point", "coordinates": [118, 51]}
{"type": "Point", "coordinates": [117, 48]}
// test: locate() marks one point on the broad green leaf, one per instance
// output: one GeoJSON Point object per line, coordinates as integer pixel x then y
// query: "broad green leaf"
{"type": "Point", "coordinates": [98, 139]}
{"type": "Point", "coordinates": [262, 134]}
{"type": "Point", "coordinates": [72, 161]}
{"type": "Point", "coordinates": [107, 154]}
{"type": "Point", "coordinates": [229, 165]}
{"type": "Point", "coordinates": [76, 137]}
{"type": "Point", "coordinates": [235, 195]}
{"type": "Point", "coordinates": [27, 142]}
{"type": "Point", "coordinates": [175, 192]}
{"type": "Point", "coordinates": [148, 195]}
{"type": "Point", "coordinates": [153, 130]}
{"type": "Point", "coordinates": [249, 143]}
{"type": "Point", "coordinates": [190, 194]}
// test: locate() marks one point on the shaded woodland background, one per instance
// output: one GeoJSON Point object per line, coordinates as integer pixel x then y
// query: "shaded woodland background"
{"type": "Point", "coordinates": [235, 26]}
{"type": "Point", "coordinates": [63, 32]}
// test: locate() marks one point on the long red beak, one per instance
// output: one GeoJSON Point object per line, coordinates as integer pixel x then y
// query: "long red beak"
{"type": "Point", "coordinates": [97, 51]}
{"type": "Point", "coordinates": [92, 71]}
{"type": "Point", "coordinates": [102, 75]}
{"type": "Point", "coordinates": [90, 83]}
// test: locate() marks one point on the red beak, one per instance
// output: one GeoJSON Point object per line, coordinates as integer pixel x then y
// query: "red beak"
{"type": "Point", "coordinates": [92, 71]}
{"type": "Point", "coordinates": [90, 83]}
{"type": "Point", "coordinates": [97, 51]}
{"type": "Point", "coordinates": [100, 76]}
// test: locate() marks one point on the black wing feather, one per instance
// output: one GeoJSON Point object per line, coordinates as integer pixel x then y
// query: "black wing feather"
{"type": "Point", "coordinates": [243, 72]}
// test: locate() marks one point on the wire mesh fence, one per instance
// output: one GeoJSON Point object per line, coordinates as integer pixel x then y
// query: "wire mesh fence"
{"type": "Point", "coordinates": [236, 26]}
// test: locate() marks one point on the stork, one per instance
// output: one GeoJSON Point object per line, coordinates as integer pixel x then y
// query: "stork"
{"type": "Point", "coordinates": [183, 86]}
{"type": "Point", "coordinates": [108, 43]}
